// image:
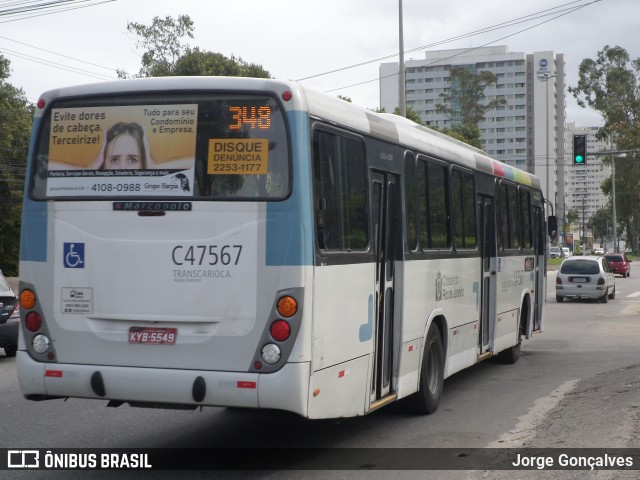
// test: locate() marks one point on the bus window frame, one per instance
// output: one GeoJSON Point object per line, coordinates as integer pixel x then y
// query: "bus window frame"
{"type": "Point", "coordinates": [410, 158]}
{"type": "Point", "coordinates": [501, 243]}
{"type": "Point", "coordinates": [463, 171]}
{"type": "Point", "coordinates": [525, 190]}
{"type": "Point", "coordinates": [339, 257]}
{"type": "Point", "coordinates": [437, 251]}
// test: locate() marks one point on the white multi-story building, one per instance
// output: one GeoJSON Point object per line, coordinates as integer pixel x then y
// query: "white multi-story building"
{"type": "Point", "coordinates": [528, 132]}
{"type": "Point", "coordinates": [582, 183]}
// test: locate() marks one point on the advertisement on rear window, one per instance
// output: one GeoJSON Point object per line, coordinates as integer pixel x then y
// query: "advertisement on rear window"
{"type": "Point", "coordinates": [127, 150]}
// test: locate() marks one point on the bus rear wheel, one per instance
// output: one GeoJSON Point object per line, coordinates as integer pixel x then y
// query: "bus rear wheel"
{"type": "Point", "coordinates": [427, 398]}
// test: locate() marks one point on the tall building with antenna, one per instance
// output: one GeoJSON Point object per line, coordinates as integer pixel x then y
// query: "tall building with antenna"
{"type": "Point", "coordinates": [527, 132]}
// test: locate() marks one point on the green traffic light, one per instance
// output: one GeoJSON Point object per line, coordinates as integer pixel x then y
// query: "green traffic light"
{"type": "Point", "coordinates": [579, 159]}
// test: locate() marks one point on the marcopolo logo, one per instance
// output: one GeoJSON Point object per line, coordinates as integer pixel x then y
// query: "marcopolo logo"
{"type": "Point", "coordinates": [23, 459]}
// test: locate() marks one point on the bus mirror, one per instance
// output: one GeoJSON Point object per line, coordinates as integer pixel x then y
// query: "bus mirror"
{"type": "Point", "coordinates": [552, 226]}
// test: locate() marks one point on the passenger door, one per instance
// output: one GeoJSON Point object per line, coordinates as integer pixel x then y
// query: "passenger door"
{"type": "Point", "coordinates": [384, 211]}
{"type": "Point", "coordinates": [539, 237]}
{"type": "Point", "coordinates": [489, 265]}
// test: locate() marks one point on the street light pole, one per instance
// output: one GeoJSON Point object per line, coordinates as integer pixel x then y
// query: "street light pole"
{"type": "Point", "coordinates": [613, 204]}
{"type": "Point", "coordinates": [545, 77]}
{"type": "Point", "coordinates": [402, 100]}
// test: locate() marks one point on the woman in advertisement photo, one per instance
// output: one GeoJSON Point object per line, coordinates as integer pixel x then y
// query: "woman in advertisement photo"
{"type": "Point", "coordinates": [124, 148]}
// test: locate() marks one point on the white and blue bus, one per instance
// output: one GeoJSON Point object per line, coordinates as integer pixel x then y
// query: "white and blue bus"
{"type": "Point", "coordinates": [252, 243]}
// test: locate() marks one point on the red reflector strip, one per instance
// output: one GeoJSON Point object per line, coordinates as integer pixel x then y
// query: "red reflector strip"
{"type": "Point", "coordinates": [53, 373]}
{"type": "Point", "coordinates": [246, 384]}
{"type": "Point", "coordinates": [411, 348]}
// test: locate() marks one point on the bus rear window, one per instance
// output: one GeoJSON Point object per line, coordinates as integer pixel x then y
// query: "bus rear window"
{"type": "Point", "coordinates": [201, 146]}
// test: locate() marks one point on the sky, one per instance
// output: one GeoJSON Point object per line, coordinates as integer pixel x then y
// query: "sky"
{"type": "Point", "coordinates": [304, 40]}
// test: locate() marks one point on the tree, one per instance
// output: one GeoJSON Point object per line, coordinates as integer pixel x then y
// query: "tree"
{"type": "Point", "coordinates": [468, 134]}
{"type": "Point", "coordinates": [162, 44]}
{"type": "Point", "coordinates": [601, 221]}
{"type": "Point", "coordinates": [411, 114]}
{"type": "Point", "coordinates": [165, 53]}
{"type": "Point", "coordinates": [464, 133]}
{"type": "Point", "coordinates": [463, 103]}
{"type": "Point", "coordinates": [610, 85]}
{"type": "Point", "coordinates": [197, 63]}
{"type": "Point", "coordinates": [16, 115]}
{"type": "Point", "coordinates": [573, 216]}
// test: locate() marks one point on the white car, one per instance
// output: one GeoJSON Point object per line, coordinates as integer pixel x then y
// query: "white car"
{"type": "Point", "coordinates": [599, 251]}
{"type": "Point", "coordinates": [555, 252]}
{"type": "Point", "coordinates": [585, 277]}
{"type": "Point", "coordinates": [566, 253]}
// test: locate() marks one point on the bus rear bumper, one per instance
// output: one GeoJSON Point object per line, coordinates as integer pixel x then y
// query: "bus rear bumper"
{"type": "Point", "coordinates": [286, 389]}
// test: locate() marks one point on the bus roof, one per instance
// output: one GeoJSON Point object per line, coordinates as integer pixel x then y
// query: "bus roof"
{"type": "Point", "coordinates": [406, 132]}
{"type": "Point", "coordinates": [320, 105]}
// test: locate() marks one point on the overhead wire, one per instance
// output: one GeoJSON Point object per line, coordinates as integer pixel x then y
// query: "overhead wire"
{"type": "Point", "coordinates": [49, 8]}
{"type": "Point", "coordinates": [560, 13]}
{"type": "Point", "coordinates": [516, 21]}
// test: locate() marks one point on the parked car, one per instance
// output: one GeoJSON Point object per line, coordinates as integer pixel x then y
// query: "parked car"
{"type": "Point", "coordinates": [599, 251]}
{"type": "Point", "coordinates": [555, 252]}
{"type": "Point", "coordinates": [9, 318]}
{"type": "Point", "coordinates": [585, 277]}
{"type": "Point", "coordinates": [619, 264]}
{"type": "Point", "coordinates": [566, 253]}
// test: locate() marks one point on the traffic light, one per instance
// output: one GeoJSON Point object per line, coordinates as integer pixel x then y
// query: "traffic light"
{"type": "Point", "coordinates": [579, 150]}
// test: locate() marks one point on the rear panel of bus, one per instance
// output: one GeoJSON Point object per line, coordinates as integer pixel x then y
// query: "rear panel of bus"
{"type": "Point", "coordinates": [160, 281]}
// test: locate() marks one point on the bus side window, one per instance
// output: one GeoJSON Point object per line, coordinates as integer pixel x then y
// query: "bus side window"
{"type": "Point", "coordinates": [339, 183]}
{"type": "Point", "coordinates": [463, 210]}
{"type": "Point", "coordinates": [525, 204]}
{"type": "Point", "coordinates": [410, 201]}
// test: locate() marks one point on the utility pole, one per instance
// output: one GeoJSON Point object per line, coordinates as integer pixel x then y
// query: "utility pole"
{"type": "Point", "coordinates": [613, 204]}
{"type": "Point", "coordinates": [402, 99]}
{"type": "Point", "coordinates": [545, 77]}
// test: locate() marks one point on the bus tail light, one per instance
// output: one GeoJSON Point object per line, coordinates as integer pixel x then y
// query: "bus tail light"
{"type": "Point", "coordinates": [27, 299]}
{"type": "Point", "coordinates": [40, 343]}
{"type": "Point", "coordinates": [287, 306]}
{"type": "Point", "coordinates": [271, 353]}
{"type": "Point", "coordinates": [33, 321]}
{"type": "Point", "coordinates": [280, 330]}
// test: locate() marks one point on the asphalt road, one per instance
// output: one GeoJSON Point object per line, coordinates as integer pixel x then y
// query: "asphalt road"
{"type": "Point", "coordinates": [575, 385]}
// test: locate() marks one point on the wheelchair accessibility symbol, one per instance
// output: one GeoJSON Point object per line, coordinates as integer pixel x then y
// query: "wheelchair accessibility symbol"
{"type": "Point", "coordinates": [74, 255]}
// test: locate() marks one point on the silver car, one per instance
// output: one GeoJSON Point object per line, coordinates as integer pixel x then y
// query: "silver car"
{"type": "Point", "coordinates": [9, 318]}
{"type": "Point", "coordinates": [585, 277]}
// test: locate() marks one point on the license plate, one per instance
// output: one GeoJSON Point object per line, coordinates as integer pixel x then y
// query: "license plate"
{"type": "Point", "coordinates": [579, 280]}
{"type": "Point", "coordinates": [153, 335]}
